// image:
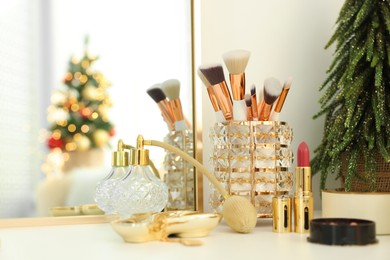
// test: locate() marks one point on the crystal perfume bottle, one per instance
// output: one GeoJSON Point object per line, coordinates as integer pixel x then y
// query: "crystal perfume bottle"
{"type": "Point", "coordinates": [141, 191]}
{"type": "Point", "coordinates": [105, 188]}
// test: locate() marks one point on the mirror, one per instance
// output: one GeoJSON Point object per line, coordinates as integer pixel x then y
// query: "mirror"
{"type": "Point", "coordinates": [138, 43]}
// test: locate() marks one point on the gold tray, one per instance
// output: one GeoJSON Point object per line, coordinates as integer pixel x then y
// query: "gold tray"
{"type": "Point", "coordinates": [145, 227]}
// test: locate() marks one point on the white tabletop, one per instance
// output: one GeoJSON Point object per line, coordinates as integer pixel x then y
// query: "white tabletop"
{"type": "Point", "coordinates": [99, 241]}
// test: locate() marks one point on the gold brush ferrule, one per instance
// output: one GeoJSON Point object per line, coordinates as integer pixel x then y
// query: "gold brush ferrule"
{"type": "Point", "coordinates": [237, 83]}
{"type": "Point", "coordinates": [177, 109]}
{"type": "Point", "coordinates": [254, 106]}
{"type": "Point", "coordinates": [281, 99]}
{"type": "Point", "coordinates": [213, 99]}
{"type": "Point", "coordinates": [265, 111]}
{"type": "Point", "coordinates": [282, 214]}
{"type": "Point", "coordinates": [303, 200]}
{"type": "Point", "coordinates": [249, 113]}
{"type": "Point", "coordinates": [166, 113]}
{"type": "Point", "coordinates": [224, 100]}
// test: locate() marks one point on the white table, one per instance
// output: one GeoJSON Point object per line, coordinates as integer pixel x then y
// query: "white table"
{"type": "Point", "coordinates": [99, 241]}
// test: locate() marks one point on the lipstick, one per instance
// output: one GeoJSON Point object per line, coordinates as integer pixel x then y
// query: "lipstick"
{"type": "Point", "coordinates": [303, 199]}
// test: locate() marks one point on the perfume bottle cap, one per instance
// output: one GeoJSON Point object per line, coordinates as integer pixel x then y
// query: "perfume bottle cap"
{"type": "Point", "coordinates": [120, 159]}
{"type": "Point", "coordinates": [141, 154]}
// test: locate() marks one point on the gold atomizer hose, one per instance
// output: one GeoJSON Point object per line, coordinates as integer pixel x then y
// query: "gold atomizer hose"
{"type": "Point", "coordinates": [191, 160]}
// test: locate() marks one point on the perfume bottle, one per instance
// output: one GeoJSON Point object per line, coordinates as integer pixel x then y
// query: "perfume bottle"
{"type": "Point", "coordinates": [105, 188]}
{"type": "Point", "coordinates": [141, 191]}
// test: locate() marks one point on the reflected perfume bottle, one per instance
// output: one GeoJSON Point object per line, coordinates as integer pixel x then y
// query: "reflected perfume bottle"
{"type": "Point", "coordinates": [105, 188]}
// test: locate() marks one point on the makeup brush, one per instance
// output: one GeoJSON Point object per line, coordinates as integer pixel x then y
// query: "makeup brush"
{"type": "Point", "coordinates": [272, 89]}
{"type": "Point", "coordinates": [236, 62]}
{"type": "Point", "coordinates": [156, 93]}
{"type": "Point", "coordinates": [254, 102]}
{"type": "Point", "coordinates": [219, 117]}
{"type": "Point", "coordinates": [279, 104]}
{"type": "Point", "coordinates": [214, 74]}
{"type": "Point", "coordinates": [171, 89]}
{"type": "Point", "coordinates": [248, 102]}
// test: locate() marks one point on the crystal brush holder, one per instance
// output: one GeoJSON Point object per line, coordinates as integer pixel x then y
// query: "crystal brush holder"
{"type": "Point", "coordinates": [179, 174]}
{"type": "Point", "coordinates": [252, 159]}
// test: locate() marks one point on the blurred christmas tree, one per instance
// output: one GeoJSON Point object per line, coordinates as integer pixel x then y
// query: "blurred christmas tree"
{"type": "Point", "coordinates": [357, 97]}
{"type": "Point", "coordinates": [78, 112]}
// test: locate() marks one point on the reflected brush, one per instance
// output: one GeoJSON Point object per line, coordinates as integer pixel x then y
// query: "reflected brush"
{"type": "Point", "coordinates": [156, 93]}
{"type": "Point", "coordinates": [248, 102]}
{"type": "Point", "coordinates": [281, 99]}
{"type": "Point", "coordinates": [214, 102]}
{"type": "Point", "coordinates": [236, 62]}
{"type": "Point", "coordinates": [272, 89]}
{"type": "Point", "coordinates": [214, 75]}
{"type": "Point", "coordinates": [171, 89]}
{"type": "Point", "coordinates": [254, 102]}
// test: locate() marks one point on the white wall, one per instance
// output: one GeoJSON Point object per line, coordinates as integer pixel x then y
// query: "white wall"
{"type": "Point", "coordinates": [286, 38]}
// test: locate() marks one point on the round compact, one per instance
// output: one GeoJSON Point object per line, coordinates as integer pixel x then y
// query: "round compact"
{"type": "Point", "coordinates": [342, 231]}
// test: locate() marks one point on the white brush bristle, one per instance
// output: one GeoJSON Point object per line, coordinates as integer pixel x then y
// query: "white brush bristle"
{"type": "Point", "coordinates": [171, 88]}
{"type": "Point", "coordinates": [236, 61]}
{"type": "Point", "coordinates": [272, 87]}
{"type": "Point", "coordinates": [203, 78]}
{"type": "Point", "coordinates": [288, 82]}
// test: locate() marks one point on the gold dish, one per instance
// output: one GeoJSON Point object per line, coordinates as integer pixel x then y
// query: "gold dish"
{"type": "Point", "coordinates": [88, 209]}
{"type": "Point", "coordinates": [145, 227]}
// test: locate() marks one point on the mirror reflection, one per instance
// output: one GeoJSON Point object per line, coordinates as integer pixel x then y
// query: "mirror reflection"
{"type": "Point", "coordinates": [138, 44]}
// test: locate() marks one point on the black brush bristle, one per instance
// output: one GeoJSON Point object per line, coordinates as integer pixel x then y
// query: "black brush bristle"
{"type": "Point", "coordinates": [248, 100]}
{"type": "Point", "coordinates": [213, 73]}
{"type": "Point", "coordinates": [253, 90]}
{"type": "Point", "coordinates": [156, 93]}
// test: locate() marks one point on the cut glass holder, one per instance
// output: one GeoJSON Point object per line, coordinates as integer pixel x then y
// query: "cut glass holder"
{"type": "Point", "coordinates": [179, 174]}
{"type": "Point", "coordinates": [252, 159]}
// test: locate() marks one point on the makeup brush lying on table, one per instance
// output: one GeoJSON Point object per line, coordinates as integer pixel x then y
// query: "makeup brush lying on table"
{"type": "Point", "coordinates": [236, 62]}
{"type": "Point", "coordinates": [219, 117]}
{"type": "Point", "coordinates": [156, 93]}
{"type": "Point", "coordinates": [279, 104]}
{"type": "Point", "coordinates": [171, 89]}
{"type": "Point", "coordinates": [272, 89]}
{"type": "Point", "coordinates": [214, 74]}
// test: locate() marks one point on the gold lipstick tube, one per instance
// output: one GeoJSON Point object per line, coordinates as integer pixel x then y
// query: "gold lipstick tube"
{"type": "Point", "coordinates": [224, 100]}
{"type": "Point", "coordinates": [168, 117]}
{"type": "Point", "coordinates": [282, 213]}
{"type": "Point", "coordinates": [237, 82]}
{"type": "Point", "coordinates": [303, 200]}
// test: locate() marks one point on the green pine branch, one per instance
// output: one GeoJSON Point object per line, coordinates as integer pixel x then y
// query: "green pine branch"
{"type": "Point", "coordinates": [356, 94]}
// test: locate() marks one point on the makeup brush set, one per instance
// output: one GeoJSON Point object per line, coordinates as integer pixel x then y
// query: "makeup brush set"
{"type": "Point", "coordinates": [179, 175]}
{"type": "Point", "coordinates": [167, 97]}
{"type": "Point", "coordinates": [243, 106]}
{"type": "Point", "coordinates": [251, 152]}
